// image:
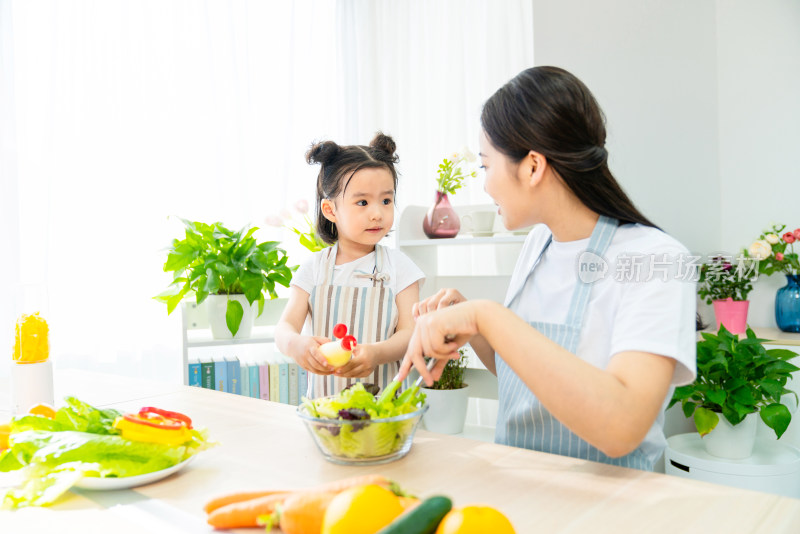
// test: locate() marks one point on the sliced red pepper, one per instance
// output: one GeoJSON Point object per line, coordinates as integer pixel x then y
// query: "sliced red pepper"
{"type": "Point", "coordinates": [165, 424]}
{"type": "Point", "coordinates": [167, 414]}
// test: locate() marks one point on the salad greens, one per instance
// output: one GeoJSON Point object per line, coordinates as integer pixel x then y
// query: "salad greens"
{"type": "Point", "coordinates": [364, 438]}
{"type": "Point", "coordinates": [54, 454]}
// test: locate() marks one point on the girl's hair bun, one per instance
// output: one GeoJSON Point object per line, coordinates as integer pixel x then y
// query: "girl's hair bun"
{"type": "Point", "coordinates": [322, 153]}
{"type": "Point", "coordinates": [384, 143]}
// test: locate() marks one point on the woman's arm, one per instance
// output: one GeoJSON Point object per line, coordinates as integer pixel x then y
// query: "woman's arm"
{"type": "Point", "coordinates": [448, 297]}
{"type": "Point", "coordinates": [612, 409]}
{"type": "Point", "coordinates": [303, 349]}
{"type": "Point", "coordinates": [367, 357]}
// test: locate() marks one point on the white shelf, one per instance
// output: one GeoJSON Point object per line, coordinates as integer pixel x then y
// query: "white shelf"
{"type": "Point", "coordinates": [203, 338]}
{"type": "Point", "coordinates": [490, 240]}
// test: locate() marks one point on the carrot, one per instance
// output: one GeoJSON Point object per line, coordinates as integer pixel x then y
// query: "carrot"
{"type": "Point", "coordinates": [245, 513]}
{"type": "Point", "coordinates": [301, 513]}
{"type": "Point", "coordinates": [336, 485]}
{"type": "Point", "coordinates": [228, 498]}
{"type": "Point", "coordinates": [243, 508]}
{"type": "Point", "coordinates": [408, 503]}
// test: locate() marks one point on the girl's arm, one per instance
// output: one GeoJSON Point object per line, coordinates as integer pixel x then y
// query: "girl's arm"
{"type": "Point", "coordinates": [612, 408]}
{"type": "Point", "coordinates": [367, 357]}
{"type": "Point", "coordinates": [303, 349]}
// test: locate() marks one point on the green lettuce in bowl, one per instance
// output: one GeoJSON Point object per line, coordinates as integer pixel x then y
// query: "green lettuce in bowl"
{"type": "Point", "coordinates": [355, 427]}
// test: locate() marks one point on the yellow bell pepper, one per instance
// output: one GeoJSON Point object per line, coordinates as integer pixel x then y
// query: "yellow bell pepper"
{"type": "Point", "coordinates": [139, 427]}
{"type": "Point", "coordinates": [31, 341]}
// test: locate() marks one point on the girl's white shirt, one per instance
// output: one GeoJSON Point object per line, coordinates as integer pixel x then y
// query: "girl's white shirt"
{"type": "Point", "coordinates": [646, 301]}
{"type": "Point", "coordinates": [402, 271]}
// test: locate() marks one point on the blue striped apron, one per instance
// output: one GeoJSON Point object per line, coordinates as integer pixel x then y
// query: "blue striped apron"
{"type": "Point", "coordinates": [522, 421]}
{"type": "Point", "coordinates": [370, 314]}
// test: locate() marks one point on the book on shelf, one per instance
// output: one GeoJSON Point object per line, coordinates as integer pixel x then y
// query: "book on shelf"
{"type": "Point", "coordinates": [283, 382]}
{"type": "Point", "coordinates": [194, 372]}
{"type": "Point", "coordinates": [244, 384]}
{"type": "Point", "coordinates": [302, 383]}
{"type": "Point", "coordinates": [274, 396]}
{"type": "Point", "coordinates": [207, 372]}
{"type": "Point", "coordinates": [294, 400]}
{"type": "Point", "coordinates": [252, 370]}
{"type": "Point", "coordinates": [234, 375]}
{"type": "Point", "coordinates": [263, 380]}
{"type": "Point", "coordinates": [220, 374]}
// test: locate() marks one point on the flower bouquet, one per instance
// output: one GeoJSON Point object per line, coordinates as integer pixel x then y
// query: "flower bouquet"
{"type": "Point", "coordinates": [441, 220]}
{"type": "Point", "coordinates": [306, 230]}
{"type": "Point", "coordinates": [774, 252]}
{"type": "Point", "coordinates": [725, 283]}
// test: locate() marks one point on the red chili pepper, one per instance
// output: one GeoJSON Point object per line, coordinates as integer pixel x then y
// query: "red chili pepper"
{"type": "Point", "coordinates": [166, 413]}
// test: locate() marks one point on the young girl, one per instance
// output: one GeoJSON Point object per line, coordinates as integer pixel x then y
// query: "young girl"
{"type": "Point", "coordinates": [365, 286]}
{"type": "Point", "coordinates": [585, 364]}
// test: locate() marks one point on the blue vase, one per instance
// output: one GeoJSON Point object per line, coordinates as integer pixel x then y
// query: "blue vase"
{"type": "Point", "coordinates": [787, 305]}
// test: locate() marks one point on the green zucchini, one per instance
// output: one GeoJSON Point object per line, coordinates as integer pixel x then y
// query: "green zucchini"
{"type": "Point", "coordinates": [422, 519]}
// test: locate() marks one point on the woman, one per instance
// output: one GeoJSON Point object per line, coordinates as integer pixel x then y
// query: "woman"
{"type": "Point", "coordinates": [598, 323]}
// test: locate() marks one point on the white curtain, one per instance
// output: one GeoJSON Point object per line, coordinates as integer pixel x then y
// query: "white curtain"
{"type": "Point", "coordinates": [128, 112]}
{"type": "Point", "coordinates": [117, 114]}
{"type": "Point", "coordinates": [421, 70]}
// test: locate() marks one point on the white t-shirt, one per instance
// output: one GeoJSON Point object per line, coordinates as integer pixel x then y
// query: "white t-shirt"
{"type": "Point", "coordinates": [646, 301]}
{"type": "Point", "coordinates": [402, 271]}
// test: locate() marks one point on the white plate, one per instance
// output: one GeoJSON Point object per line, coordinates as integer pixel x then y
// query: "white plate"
{"type": "Point", "coordinates": [113, 483]}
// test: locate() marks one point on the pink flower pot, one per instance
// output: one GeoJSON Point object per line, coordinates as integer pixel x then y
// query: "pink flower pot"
{"type": "Point", "coordinates": [732, 313]}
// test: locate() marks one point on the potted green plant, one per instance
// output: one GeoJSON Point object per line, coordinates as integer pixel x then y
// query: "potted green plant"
{"type": "Point", "coordinates": [230, 269]}
{"type": "Point", "coordinates": [725, 283]}
{"type": "Point", "coordinates": [736, 378]}
{"type": "Point", "coordinates": [441, 219]}
{"type": "Point", "coordinates": [447, 399]}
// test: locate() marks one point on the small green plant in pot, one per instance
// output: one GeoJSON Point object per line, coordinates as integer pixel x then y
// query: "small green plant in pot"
{"type": "Point", "coordinates": [213, 260]}
{"type": "Point", "coordinates": [447, 399]}
{"type": "Point", "coordinates": [452, 374]}
{"type": "Point", "coordinates": [737, 377]}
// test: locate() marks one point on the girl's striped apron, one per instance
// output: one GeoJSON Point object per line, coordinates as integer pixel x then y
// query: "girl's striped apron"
{"type": "Point", "coordinates": [370, 314]}
{"type": "Point", "coordinates": [522, 421]}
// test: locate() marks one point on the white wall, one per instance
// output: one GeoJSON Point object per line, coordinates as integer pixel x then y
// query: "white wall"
{"type": "Point", "coordinates": [702, 100]}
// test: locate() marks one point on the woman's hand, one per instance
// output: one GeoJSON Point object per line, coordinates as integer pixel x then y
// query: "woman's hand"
{"type": "Point", "coordinates": [438, 334]}
{"type": "Point", "coordinates": [361, 365]}
{"type": "Point", "coordinates": [441, 299]}
{"type": "Point", "coordinates": [310, 358]}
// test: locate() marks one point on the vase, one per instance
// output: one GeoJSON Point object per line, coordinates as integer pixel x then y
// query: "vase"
{"type": "Point", "coordinates": [448, 410]}
{"type": "Point", "coordinates": [732, 442]}
{"type": "Point", "coordinates": [441, 221]}
{"type": "Point", "coordinates": [732, 314]}
{"type": "Point", "coordinates": [787, 304]}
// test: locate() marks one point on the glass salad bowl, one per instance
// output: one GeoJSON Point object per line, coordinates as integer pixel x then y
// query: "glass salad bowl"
{"type": "Point", "coordinates": [362, 441]}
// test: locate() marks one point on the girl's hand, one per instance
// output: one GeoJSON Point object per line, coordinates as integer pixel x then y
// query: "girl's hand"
{"type": "Point", "coordinates": [441, 299]}
{"type": "Point", "coordinates": [438, 335]}
{"type": "Point", "coordinates": [361, 365]}
{"type": "Point", "coordinates": [311, 359]}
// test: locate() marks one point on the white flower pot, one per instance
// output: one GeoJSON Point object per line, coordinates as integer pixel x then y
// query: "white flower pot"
{"type": "Point", "coordinates": [216, 305]}
{"type": "Point", "coordinates": [448, 410]}
{"type": "Point", "coordinates": [732, 442]}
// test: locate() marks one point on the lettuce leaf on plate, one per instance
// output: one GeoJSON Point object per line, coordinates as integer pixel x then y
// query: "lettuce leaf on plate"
{"type": "Point", "coordinates": [52, 455]}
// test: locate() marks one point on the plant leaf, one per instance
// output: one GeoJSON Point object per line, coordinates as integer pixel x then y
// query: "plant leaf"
{"type": "Point", "coordinates": [777, 417]}
{"type": "Point", "coordinates": [233, 315]}
{"type": "Point", "coordinates": [705, 420]}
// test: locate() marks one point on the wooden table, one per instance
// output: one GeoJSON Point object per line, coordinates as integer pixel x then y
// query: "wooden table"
{"type": "Point", "coordinates": [264, 445]}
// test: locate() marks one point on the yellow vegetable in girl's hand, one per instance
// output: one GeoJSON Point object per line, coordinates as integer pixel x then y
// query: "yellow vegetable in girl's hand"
{"type": "Point", "coordinates": [475, 520]}
{"type": "Point", "coordinates": [31, 341]}
{"type": "Point", "coordinates": [361, 510]}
